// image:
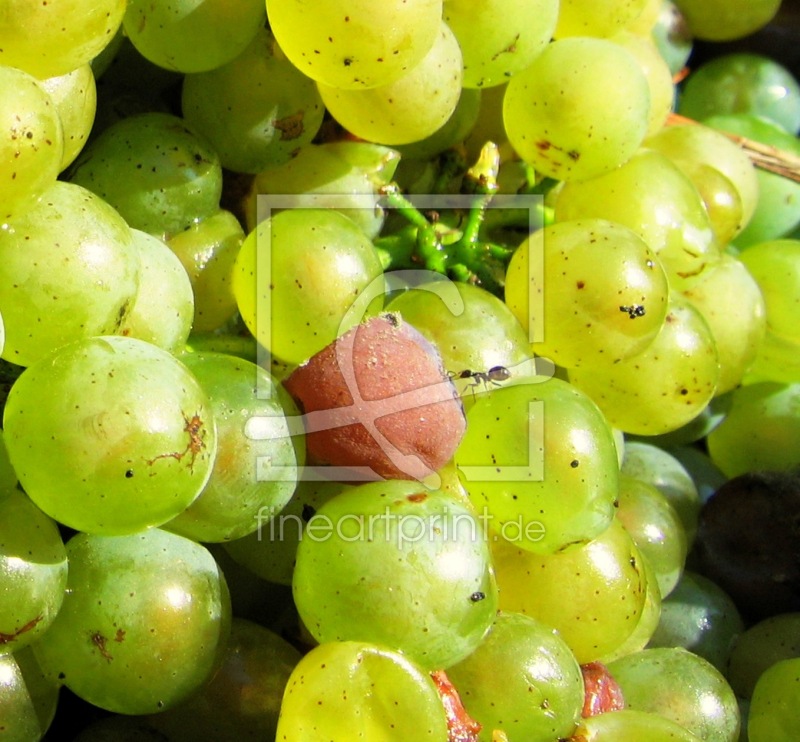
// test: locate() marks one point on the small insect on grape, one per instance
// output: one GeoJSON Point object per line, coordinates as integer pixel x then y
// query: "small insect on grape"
{"type": "Point", "coordinates": [493, 376]}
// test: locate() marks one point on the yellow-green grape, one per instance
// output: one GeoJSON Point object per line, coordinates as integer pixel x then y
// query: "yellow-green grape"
{"type": "Point", "coordinates": [577, 315]}
{"type": "Point", "coordinates": [297, 276]}
{"type": "Point", "coordinates": [659, 77]}
{"type": "Point", "coordinates": [8, 477]}
{"type": "Point", "coordinates": [499, 38]}
{"type": "Point", "coordinates": [649, 184]}
{"type": "Point", "coordinates": [655, 528]}
{"type": "Point", "coordinates": [243, 699]}
{"type": "Point", "coordinates": [208, 250]}
{"type": "Point", "coordinates": [22, 713]}
{"type": "Point", "coordinates": [596, 17]}
{"type": "Point", "coordinates": [52, 38]}
{"type": "Point", "coordinates": [391, 113]}
{"type": "Point", "coordinates": [732, 304]}
{"type": "Point", "coordinates": [672, 36]}
{"type": "Point", "coordinates": [663, 470]}
{"type": "Point", "coordinates": [256, 467]}
{"type": "Point", "coordinates": [75, 98]}
{"type": "Point", "coordinates": [192, 35]}
{"type": "Point", "coordinates": [579, 110]}
{"type": "Point", "coordinates": [773, 708]}
{"type": "Point", "coordinates": [392, 563]}
{"type": "Point", "coordinates": [539, 463]}
{"type": "Point", "coordinates": [682, 687]}
{"type": "Point", "coordinates": [2, 335]}
{"type": "Point", "coordinates": [110, 435]}
{"type": "Point", "coordinates": [162, 310]}
{"type": "Point", "coordinates": [594, 594]}
{"type": "Point", "coordinates": [68, 270]}
{"type": "Point", "coordinates": [256, 110]}
{"type": "Point", "coordinates": [722, 20]}
{"type": "Point", "coordinates": [542, 689]}
{"type": "Point", "coordinates": [341, 691]}
{"type": "Point", "coordinates": [144, 622]}
{"type": "Point", "coordinates": [776, 360]}
{"type": "Point", "coordinates": [32, 141]}
{"type": "Point", "coordinates": [761, 431]}
{"type": "Point", "coordinates": [644, 23]}
{"type": "Point", "coordinates": [691, 147]}
{"type": "Point", "coordinates": [665, 386]}
{"type": "Point", "coordinates": [628, 725]}
{"type": "Point", "coordinates": [33, 571]}
{"type": "Point", "coordinates": [489, 127]}
{"type": "Point", "coordinates": [356, 44]}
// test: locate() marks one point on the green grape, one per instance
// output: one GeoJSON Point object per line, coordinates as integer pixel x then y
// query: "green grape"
{"type": "Point", "coordinates": [391, 563]}
{"type": "Point", "coordinates": [391, 113]}
{"type": "Point", "coordinates": [628, 725]}
{"type": "Point", "coordinates": [343, 175]}
{"type": "Point", "coordinates": [539, 462]}
{"type": "Point", "coordinates": [19, 720]}
{"type": "Point", "coordinates": [345, 691]}
{"type": "Point", "coordinates": [297, 276]}
{"type": "Point", "coordinates": [579, 110]}
{"type": "Point", "coordinates": [663, 470]}
{"type": "Point", "coordinates": [162, 310]}
{"type": "Point", "coordinates": [645, 21]}
{"type": "Point", "coordinates": [192, 35]}
{"type": "Point", "coordinates": [144, 622]}
{"type": "Point", "coordinates": [579, 316]}
{"type": "Point", "coordinates": [110, 435]}
{"type": "Point", "coordinates": [68, 270]}
{"type": "Point", "coordinates": [594, 594]}
{"type": "Point", "coordinates": [701, 617]}
{"type": "Point", "coordinates": [777, 211]}
{"type": "Point", "coordinates": [270, 550]}
{"type": "Point", "coordinates": [680, 686]}
{"type": "Point", "coordinates": [357, 44]}
{"type": "Point", "coordinates": [155, 170]}
{"type": "Point", "coordinates": [773, 709]}
{"type": "Point", "coordinates": [33, 141]}
{"type": "Point", "coordinates": [256, 110]}
{"type": "Point", "coordinates": [723, 20]}
{"type": "Point", "coordinates": [8, 477]}
{"type": "Point", "coordinates": [33, 571]}
{"type": "Point", "coordinates": [691, 147]}
{"type": "Point", "coordinates": [489, 127]}
{"type": "Point", "coordinates": [732, 304]}
{"type": "Point", "coordinates": [775, 266]}
{"type": "Point", "coordinates": [767, 642]}
{"type": "Point", "coordinates": [243, 700]}
{"type": "Point", "coordinates": [761, 431]}
{"type": "Point", "coordinates": [43, 692]}
{"type": "Point", "coordinates": [52, 38]}
{"type": "Point", "coordinates": [471, 328]}
{"type": "Point", "coordinates": [672, 36]}
{"type": "Point", "coordinates": [208, 250]}
{"type": "Point", "coordinates": [705, 475]}
{"type": "Point", "coordinates": [649, 184]}
{"type": "Point", "coordinates": [75, 98]}
{"type": "Point", "coordinates": [776, 360]}
{"type": "Point", "coordinates": [743, 83]}
{"type": "Point", "coordinates": [655, 528]}
{"type": "Point", "coordinates": [256, 467]}
{"type": "Point", "coordinates": [665, 386]}
{"type": "Point", "coordinates": [542, 687]}
{"type": "Point", "coordinates": [596, 18]}
{"type": "Point", "coordinates": [499, 38]}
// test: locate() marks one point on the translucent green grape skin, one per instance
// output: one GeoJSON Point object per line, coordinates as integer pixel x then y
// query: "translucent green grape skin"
{"type": "Point", "coordinates": [33, 571]}
{"type": "Point", "coordinates": [154, 170]}
{"type": "Point", "coordinates": [347, 691]}
{"type": "Point", "coordinates": [579, 316]}
{"type": "Point", "coordinates": [593, 18]}
{"type": "Point", "coordinates": [682, 687]}
{"type": "Point", "coordinates": [68, 270]}
{"type": "Point", "coordinates": [721, 20]}
{"type": "Point", "coordinates": [110, 435]}
{"type": "Point", "coordinates": [357, 44]}
{"type": "Point", "coordinates": [542, 692]}
{"type": "Point", "coordinates": [628, 725]}
{"type": "Point", "coordinates": [19, 720]}
{"type": "Point", "coordinates": [776, 698]}
{"type": "Point", "coordinates": [192, 35]}
{"type": "Point", "coordinates": [52, 38]}
{"type": "Point", "coordinates": [391, 563]}
{"type": "Point", "coordinates": [579, 110]}
{"type": "Point", "coordinates": [256, 110]}
{"type": "Point", "coordinates": [256, 466]}
{"type": "Point", "coordinates": [32, 141]}
{"type": "Point", "coordinates": [539, 460]}
{"type": "Point", "coordinates": [144, 623]}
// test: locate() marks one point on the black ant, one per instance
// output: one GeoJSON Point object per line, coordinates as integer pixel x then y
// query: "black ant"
{"type": "Point", "coordinates": [493, 376]}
